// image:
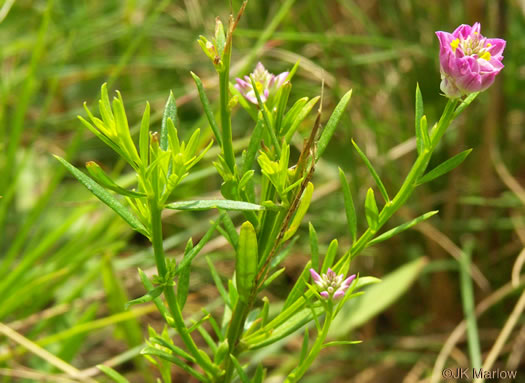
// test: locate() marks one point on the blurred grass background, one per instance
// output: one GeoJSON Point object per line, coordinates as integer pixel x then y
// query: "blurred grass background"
{"type": "Point", "coordinates": [68, 265]}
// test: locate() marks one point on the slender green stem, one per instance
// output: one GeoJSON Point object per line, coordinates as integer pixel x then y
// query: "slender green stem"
{"type": "Point", "coordinates": [224, 99]}
{"type": "Point", "coordinates": [160, 260]}
{"type": "Point", "coordinates": [234, 333]}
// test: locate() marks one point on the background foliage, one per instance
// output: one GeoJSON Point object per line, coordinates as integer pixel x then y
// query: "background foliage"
{"type": "Point", "coordinates": [68, 265]}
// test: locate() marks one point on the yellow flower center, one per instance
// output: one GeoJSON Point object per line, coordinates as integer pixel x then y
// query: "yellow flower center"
{"type": "Point", "coordinates": [454, 44]}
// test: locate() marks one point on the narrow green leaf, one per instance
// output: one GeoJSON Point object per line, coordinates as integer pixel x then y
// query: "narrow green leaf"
{"type": "Point", "coordinates": [253, 146]}
{"type": "Point", "coordinates": [266, 116]}
{"type": "Point", "coordinates": [218, 283]}
{"type": "Point", "coordinates": [330, 255]}
{"type": "Point", "coordinates": [372, 171]}
{"type": "Point", "coordinates": [351, 218]}
{"type": "Point", "coordinates": [304, 204]}
{"type": "Point", "coordinates": [121, 123]}
{"type": "Point", "coordinates": [158, 301]}
{"type": "Point", "coordinates": [100, 176]}
{"type": "Point", "coordinates": [170, 111]}
{"type": "Point", "coordinates": [148, 297]}
{"type": "Point", "coordinates": [105, 197]}
{"type": "Point", "coordinates": [196, 250]}
{"type": "Point", "coordinates": [296, 115]}
{"type": "Point", "coordinates": [246, 261]}
{"type": "Point", "coordinates": [304, 347]}
{"type": "Point", "coordinates": [445, 167]}
{"type": "Point", "coordinates": [183, 283]}
{"type": "Point", "coordinates": [272, 277]}
{"type": "Point", "coordinates": [284, 93]}
{"type": "Point", "coordinates": [330, 127]}
{"type": "Point", "coordinates": [424, 133]}
{"type": "Point", "coordinates": [419, 115]}
{"type": "Point", "coordinates": [259, 374]}
{"type": "Point", "coordinates": [207, 108]}
{"type": "Point", "coordinates": [224, 204]}
{"type": "Point", "coordinates": [144, 137]}
{"type": "Point", "coordinates": [299, 286]}
{"type": "Point", "coordinates": [112, 374]}
{"type": "Point", "coordinates": [281, 256]}
{"type": "Point", "coordinates": [175, 349]}
{"type": "Point", "coordinates": [240, 371]}
{"type": "Point", "coordinates": [371, 211]}
{"type": "Point", "coordinates": [314, 246]}
{"type": "Point", "coordinates": [401, 228]}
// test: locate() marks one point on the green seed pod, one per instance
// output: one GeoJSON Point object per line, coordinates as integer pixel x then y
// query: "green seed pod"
{"type": "Point", "coordinates": [246, 263]}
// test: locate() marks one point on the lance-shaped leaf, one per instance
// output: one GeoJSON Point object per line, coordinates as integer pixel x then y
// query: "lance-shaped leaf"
{"type": "Point", "coordinates": [419, 115]}
{"type": "Point", "coordinates": [299, 287]}
{"type": "Point", "coordinates": [170, 111]}
{"type": "Point", "coordinates": [330, 255]}
{"type": "Point", "coordinates": [122, 127]}
{"type": "Point", "coordinates": [424, 133]}
{"type": "Point", "coordinates": [329, 129]}
{"type": "Point", "coordinates": [314, 246]}
{"type": "Point", "coordinates": [144, 137]}
{"type": "Point", "coordinates": [103, 179]}
{"type": "Point", "coordinates": [240, 371]}
{"type": "Point", "coordinates": [253, 146]}
{"type": "Point", "coordinates": [349, 206]}
{"type": "Point", "coordinates": [148, 297]}
{"type": "Point", "coordinates": [371, 212]}
{"type": "Point", "coordinates": [103, 195]}
{"type": "Point", "coordinates": [224, 204]}
{"type": "Point", "coordinates": [296, 115]}
{"type": "Point", "coordinates": [218, 283]}
{"type": "Point", "coordinates": [372, 171]}
{"type": "Point", "coordinates": [207, 108]}
{"type": "Point", "coordinates": [246, 261]}
{"type": "Point", "coordinates": [398, 229]}
{"type": "Point", "coordinates": [304, 203]}
{"type": "Point", "coordinates": [445, 167]}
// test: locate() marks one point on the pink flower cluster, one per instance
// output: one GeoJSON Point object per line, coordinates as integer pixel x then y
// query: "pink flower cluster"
{"type": "Point", "coordinates": [332, 286]}
{"type": "Point", "coordinates": [267, 83]}
{"type": "Point", "coordinates": [469, 62]}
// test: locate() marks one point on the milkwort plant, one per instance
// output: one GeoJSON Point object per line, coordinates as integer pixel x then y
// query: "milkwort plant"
{"type": "Point", "coordinates": [273, 205]}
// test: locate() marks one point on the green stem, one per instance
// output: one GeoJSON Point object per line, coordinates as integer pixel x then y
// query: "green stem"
{"type": "Point", "coordinates": [234, 333]}
{"type": "Point", "coordinates": [169, 294]}
{"type": "Point", "coordinates": [224, 100]}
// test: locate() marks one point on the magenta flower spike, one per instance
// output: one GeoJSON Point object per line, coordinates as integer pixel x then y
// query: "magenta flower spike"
{"type": "Point", "coordinates": [332, 286]}
{"type": "Point", "coordinates": [267, 83]}
{"type": "Point", "coordinates": [468, 61]}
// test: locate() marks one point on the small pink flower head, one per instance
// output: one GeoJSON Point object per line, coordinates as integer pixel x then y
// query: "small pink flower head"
{"type": "Point", "coordinates": [468, 61]}
{"type": "Point", "coordinates": [267, 83]}
{"type": "Point", "coordinates": [332, 285]}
